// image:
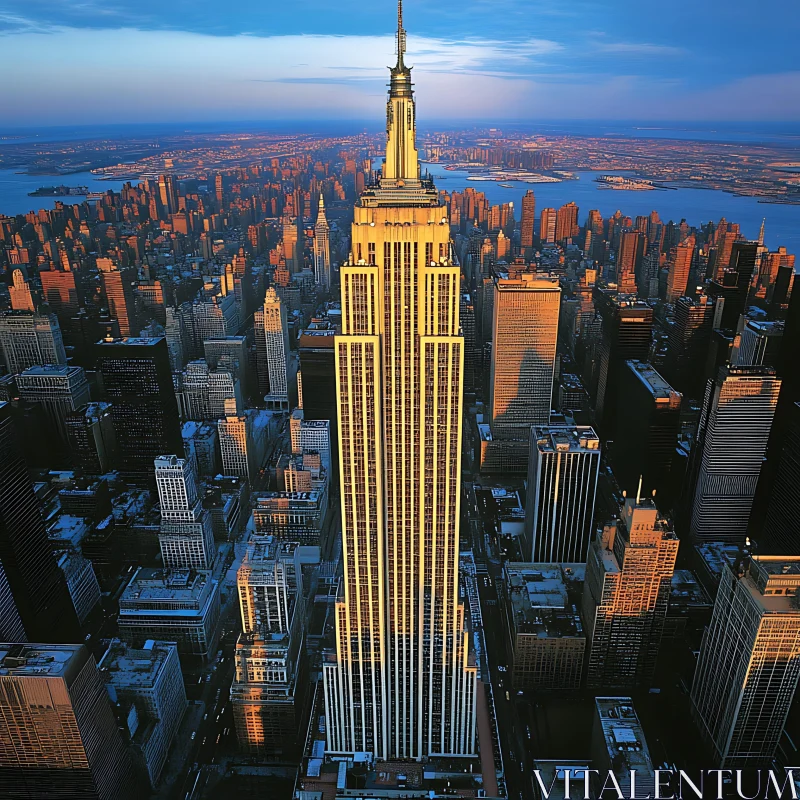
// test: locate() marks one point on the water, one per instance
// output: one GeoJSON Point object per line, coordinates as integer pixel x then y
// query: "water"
{"type": "Point", "coordinates": [14, 190]}
{"type": "Point", "coordinates": [696, 206]}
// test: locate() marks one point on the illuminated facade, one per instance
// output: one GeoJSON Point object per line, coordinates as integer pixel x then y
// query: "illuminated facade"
{"type": "Point", "coordinates": [322, 248]}
{"type": "Point", "coordinates": [625, 598]}
{"type": "Point", "coordinates": [402, 684]}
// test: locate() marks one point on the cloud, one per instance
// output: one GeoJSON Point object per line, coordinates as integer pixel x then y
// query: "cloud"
{"type": "Point", "coordinates": [87, 76]}
{"type": "Point", "coordinates": [638, 49]}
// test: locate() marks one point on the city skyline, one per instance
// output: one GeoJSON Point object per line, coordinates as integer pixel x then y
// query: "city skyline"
{"type": "Point", "coordinates": [529, 62]}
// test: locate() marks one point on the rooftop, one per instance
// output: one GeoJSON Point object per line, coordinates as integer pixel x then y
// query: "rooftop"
{"type": "Point", "coordinates": [568, 439]}
{"type": "Point", "coordinates": [623, 734]}
{"type": "Point", "coordinates": [131, 667]}
{"type": "Point", "coordinates": [160, 586]}
{"type": "Point", "coordinates": [133, 341]}
{"type": "Point", "coordinates": [655, 385]}
{"type": "Point", "coordinates": [38, 660]}
{"type": "Point", "coordinates": [540, 598]}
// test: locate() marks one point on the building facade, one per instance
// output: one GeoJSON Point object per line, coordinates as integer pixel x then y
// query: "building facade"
{"type": "Point", "coordinates": [401, 684]}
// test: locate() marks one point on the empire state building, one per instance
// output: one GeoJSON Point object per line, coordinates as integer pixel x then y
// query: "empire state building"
{"type": "Point", "coordinates": [402, 683]}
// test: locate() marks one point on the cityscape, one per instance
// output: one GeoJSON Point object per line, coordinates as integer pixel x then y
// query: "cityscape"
{"type": "Point", "coordinates": [439, 461]}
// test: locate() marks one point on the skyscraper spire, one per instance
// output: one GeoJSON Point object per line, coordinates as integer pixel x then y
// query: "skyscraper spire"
{"type": "Point", "coordinates": [401, 36]}
{"type": "Point", "coordinates": [402, 161]}
{"type": "Point", "coordinates": [761, 232]}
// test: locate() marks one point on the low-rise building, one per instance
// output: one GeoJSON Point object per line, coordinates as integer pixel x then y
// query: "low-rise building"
{"type": "Point", "coordinates": [147, 687]}
{"type": "Point", "coordinates": [547, 640]}
{"type": "Point", "coordinates": [181, 606]}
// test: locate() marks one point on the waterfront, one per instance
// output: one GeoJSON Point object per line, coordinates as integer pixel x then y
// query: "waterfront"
{"type": "Point", "coordinates": [14, 190]}
{"type": "Point", "coordinates": [697, 206]}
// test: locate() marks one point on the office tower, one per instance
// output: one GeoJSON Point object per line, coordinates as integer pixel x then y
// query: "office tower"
{"type": "Point", "coordinates": [733, 284]}
{"type": "Point", "coordinates": [229, 354]}
{"type": "Point", "coordinates": [547, 225]}
{"type": "Point", "coordinates": [524, 335]}
{"type": "Point", "coordinates": [275, 332]}
{"type": "Point", "coordinates": [219, 191]}
{"type": "Point", "coordinates": [146, 685]}
{"type": "Point", "coordinates": [178, 328]}
{"type": "Point", "coordinates": [735, 424]}
{"type": "Point", "coordinates": [12, 628]}
{"type": "Point", "coordinates": [61, 292]}
{"type": "Point", "coordinates": [90, 435]}
{"type": "Point", "coordinates": [619, 747]}
{"type": "Point", "coordinates": [264, 694]}
{"type": "Point", "coordinates": [180, 606]}
{"type": "Point", "coordinates": [627, 326]}
{"type": "Point", "coordinates": [168, 193]}
{"type": "Point", "coordinates": [310, 434]}
{"type": "Point", "coordinates": [29, 340]}
{"type": "Point", "coordinates": [59, 734]}
{"type": "Point", "coordinates": [84, 590]}
{"type": "Point", "coordinates": [60, 390]}
{"type": "Point", "coordinates": [528, 220]}
{"type": "Point", "coordinates": [318, 365]}
{"type": "Point", "coordinates": [401, 684]}
{"type": "Point", "coordinates": [292, 245]}
{"type": "Point", "coordinates": [679, 268]}
{"type": "Point", "coordinates": [647, 429]}
{"type": "Point", "coordinates": [566, 223]}
{"type": "Point", "coordinates": [38, 588]}
{"type": "Point", "coordinates": [20, 292]}
{"type": "Point", "coordinates": [749, 663]}
{"type": "Point", "coordinates": [787, 371]}
{"type": "Point", "coordinates": [119, 293]}
{"type": "Point", "coordinates": [626, 593]}
{"type": "Point", "coordinates": [186, 538]}
{"type": "Point", "coordinates": [472, 354]}
{"type": "Point", "coordinates": [758, 345]}
{"type": "Point", "coordinates": [236, 444]}
{"type": "Point", "coordinates": [214, 317]}
{"type": "Point", "coordinates": [779, 532]}
{"type": "Point", "coordinates": [204, 393]}
{"type": "Point", "coordinates": [138, 381]}
{"type": "Point", "coordinates": [547, 640]}
{"type": "Point", "coordinates": [688, 343]}
{"type": "Point", "coordinates": [629, 255]}
{"type": "Point", "coordinates": [563, 467]}
{"type": "Point", "coordinates": [322, 248]}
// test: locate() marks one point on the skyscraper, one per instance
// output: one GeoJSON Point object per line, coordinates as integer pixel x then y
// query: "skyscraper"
{"type": "Point", "coordinates": [547, 225]}
{"type": "Point", "coordinates": [60, 389]}
{"type": "Point", "coordinates": [236, 443]}
{"type": "Point", "coordinates": [735, 424]}
{"type": "Point", "coordinates": [629, 257]}
{"type": "Point", "coordinates": [627, 325]}
{"type": "Point", "coordinates": [567, 222]}
{"type": "Point", "coordinates": [749, 663]}
{"type": "Point", "coordinates": [525, 331]}
{"type": "Point", "coordinates": [20, 292]}
{"type": "Point", "coordinates": [322, 248]}
{"type": "Point", "coordinates": [628, 577]}
{"type": "Point", "coordinates": [528, 220]}
{"type": "Point", "coordinates": [138, 381]}
{"type": "Point", "coordinates": [402, 684]}
{"type": "Point", "coordinates": [268, 657]}
{"type": "Point", "coordinates": [59, 734]}
{"type": "Point", "coordinates": [276, 337]}
{"type": "Point", "coordinates": [28, 340]}
{"type": "Point", "coordinates": [563, 466]}
{"type": "Point", "coordinates": [118, 290]}
{"type": "Point", "coordinates": [186, 537]}
{"type": "Point", "coordinates": [646, 434]}
{"type": "Point", "coordinates": [38, 587]}
{"type": "Point", "coordinates": [679, 268]}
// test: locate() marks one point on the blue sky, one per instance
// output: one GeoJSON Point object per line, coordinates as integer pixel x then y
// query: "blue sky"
{"type": "Point", "coordinates": [117, 61]}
